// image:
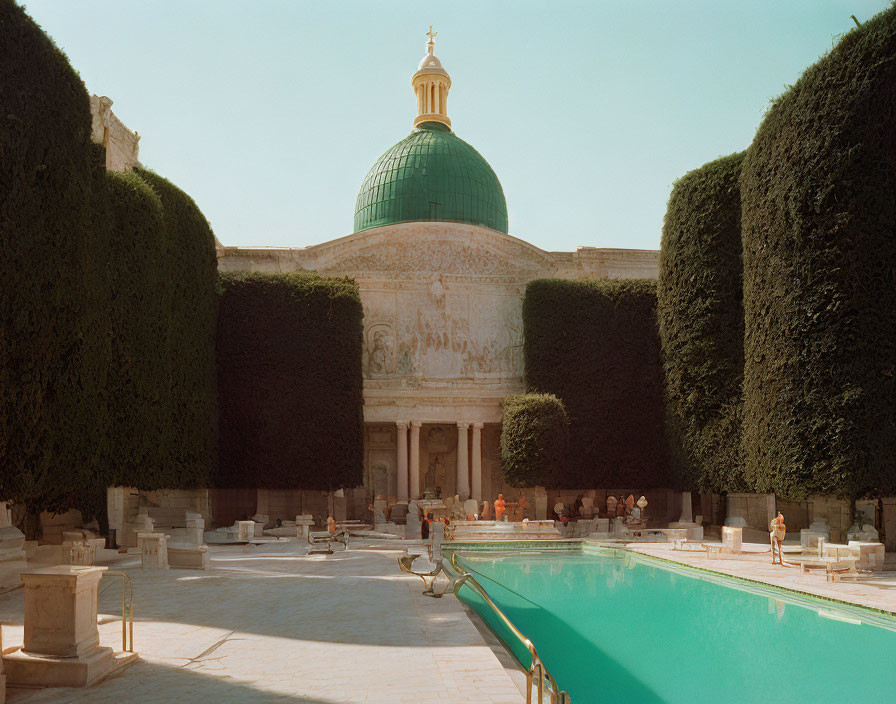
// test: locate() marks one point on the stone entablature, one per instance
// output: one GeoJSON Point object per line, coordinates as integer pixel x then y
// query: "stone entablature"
{"type": "Point", "coordinates": [420, 249]}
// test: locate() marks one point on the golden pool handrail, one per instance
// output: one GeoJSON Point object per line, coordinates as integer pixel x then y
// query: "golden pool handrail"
{"type": "Point", "coordinates": [537, 666]}
{"type": "Point", "coordinates": [127, 608]}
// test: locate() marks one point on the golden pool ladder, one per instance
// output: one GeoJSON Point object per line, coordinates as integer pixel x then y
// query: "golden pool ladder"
{"type": "Point", "coordinates": [538, 672]}
{"type": "Point", "coordinates": [127, 609]}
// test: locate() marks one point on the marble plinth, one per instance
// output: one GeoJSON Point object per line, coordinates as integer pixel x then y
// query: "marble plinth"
{"type": "Point", "coordinates": [60, 610]}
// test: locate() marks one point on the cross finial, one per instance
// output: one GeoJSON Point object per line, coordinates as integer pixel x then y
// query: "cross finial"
{"type": "Point", "coordinates": [432, 38]}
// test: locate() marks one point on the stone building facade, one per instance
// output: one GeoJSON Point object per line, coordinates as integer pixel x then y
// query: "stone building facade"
{"type": "Point", "coordinates": [442, 286]}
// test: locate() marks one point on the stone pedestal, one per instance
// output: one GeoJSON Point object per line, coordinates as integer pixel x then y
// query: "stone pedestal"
{"type": "Point", "coordinates": [143, 523]}
{"type": "Point", "coordinates": [61, 646]}
{"type": "Point", "coordinates": [60, 610]}
{"type": "Point", "coordinates": [195, 529]}
{"type": "Point", "coordinates": [153, 550]}
{"type": "Point", "coordinates": [412, 522]}
{"type": "Point", "coordinates": [245, 531]}
{"type": "Point", "coordinates": [541, 504]}
{"type": "Point", "coordinates": [399, 512]}
{"type": "Point", "coordinates": [437, 535]}
{"type": "Point", "coordinates": [303, 525]}
{"type": "Point", "coordinates": [732, 539]}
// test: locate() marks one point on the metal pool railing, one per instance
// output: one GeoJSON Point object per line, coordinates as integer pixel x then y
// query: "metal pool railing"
{"type": "Point", "coordinates": [538, 673]}
{"type": "Point", "coordinates": [127, 609]}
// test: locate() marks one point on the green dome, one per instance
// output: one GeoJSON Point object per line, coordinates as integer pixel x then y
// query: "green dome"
{"type": "Point", "coordinates": [431, 175]}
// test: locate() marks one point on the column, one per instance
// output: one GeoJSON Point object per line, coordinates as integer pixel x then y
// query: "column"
{"type": "Point", "coordinates": [476, 465]}
{"type": "Point", "coordinates": [462, 488]}
{"type": "Point", "coordinates": [415, 460]}
{"type": "Point", "coordinates": [402, 441]}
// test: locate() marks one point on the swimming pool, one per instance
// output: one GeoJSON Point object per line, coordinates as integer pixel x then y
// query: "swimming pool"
{"type": "Point", "coordinates": [612, 625]}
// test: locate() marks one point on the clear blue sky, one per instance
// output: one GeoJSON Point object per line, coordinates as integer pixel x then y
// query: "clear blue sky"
{"type": "Point", "coordinates": [270, 112]}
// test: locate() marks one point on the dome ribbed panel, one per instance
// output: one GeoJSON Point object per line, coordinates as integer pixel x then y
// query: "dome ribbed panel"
{"type": "Point", "coordinates": [431, 175]}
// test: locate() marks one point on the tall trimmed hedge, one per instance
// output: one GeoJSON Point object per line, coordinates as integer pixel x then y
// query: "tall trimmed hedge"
{"type": "Point", "coordinates": [289, 382]}
{"type": "Point", "coordinates": [138, 315]}
{"type": "Point", "coordinates": [107, 312]}
{"type": "Point", "coordinates": [534, 439]}
{"type": "Point", "coordinates": [188, 274]}
{"type": "Point", "coordinates": [51, 371]}
{"type": "Point", "coordinates": [701, 319]}
{"type": "Point", "coordinates": [595, 345]}
{"type": "Point", "coordinates": [819, 233]}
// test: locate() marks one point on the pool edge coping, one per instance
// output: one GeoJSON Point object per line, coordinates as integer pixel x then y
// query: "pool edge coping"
{"type": "Point", "coordinates": [567, 543]}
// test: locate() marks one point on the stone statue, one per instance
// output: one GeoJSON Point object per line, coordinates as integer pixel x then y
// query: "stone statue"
{"type": "Point", "coordinates": [522, 504]}
{"type": "Point", "coordinates": [611, 507]}
{"type": "Point", "coordinates": [559, 508]}
{"type": "Point", "coordinates": [500, 506]}
{"type": "Point", "coordinates": [776, 535]}
{"type": "Point", "coordinates": [486, 514]}
{"type": "Point", "coordinates": [331, 525]}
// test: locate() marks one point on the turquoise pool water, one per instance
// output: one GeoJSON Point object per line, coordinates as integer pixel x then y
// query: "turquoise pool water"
{"type": "Point", "coordinates": [611, 626]}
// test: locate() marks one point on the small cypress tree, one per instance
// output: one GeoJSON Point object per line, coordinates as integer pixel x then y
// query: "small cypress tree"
{"type": "Point", "coordinates": [534, 439]}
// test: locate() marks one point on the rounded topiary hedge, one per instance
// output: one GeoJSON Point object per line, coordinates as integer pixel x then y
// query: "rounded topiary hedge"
{"type": "Point", "coordinates": [139, 365]}
{"type": "Point", "coordinates": [189, 273]}
{"type": "Point", "coordinates": [534, 439]}
{"type": "Point", "coordinates": [51, 375]}
{"type": "Point", "coordinates": [700, 311]}
{"type": "Point", "coordinates": [595, 345]}
{"type": "Point", "coordinates": [289, 382]}
{"type": "Point", "coordinates": [819, 234]}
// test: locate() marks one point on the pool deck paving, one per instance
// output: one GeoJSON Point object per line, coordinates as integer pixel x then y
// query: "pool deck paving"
{"type": "Point", "coordinates": [876, 590]}
{"type": "Point", "coordinates": [272, 624]}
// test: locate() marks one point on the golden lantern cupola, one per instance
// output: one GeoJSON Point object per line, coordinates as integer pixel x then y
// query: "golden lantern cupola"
{"type": "Point", "coordinates": [431, 85]}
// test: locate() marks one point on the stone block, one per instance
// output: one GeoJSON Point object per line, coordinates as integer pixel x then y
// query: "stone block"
{"type": "Point", "coordinates": [188, 557]}
{"type": "Point", "coordinates": [32, 671]}
{"type": "Point", "coordinates": [245, 530]}
{"type": "Point", "coordinates": [195, 530]}
{"type": "Point", "coordinates": [809, 538]}
{"type": "Point", "coordinates": [732, 539]}
{"type": "Point", "coordinates": [871, 555]}
{"type": "Point", "coordinates": [12, 543]}
{"type": "Point", "coordinates": [153, 550]}
{"type": "Point", "coordinates": [889, 522]}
